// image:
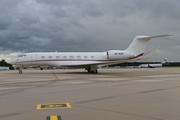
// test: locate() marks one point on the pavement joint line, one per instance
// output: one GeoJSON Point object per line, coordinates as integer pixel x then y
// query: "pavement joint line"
{"type": "Point", "coordinates": [55, 76]}
{"type": "Point", "coordinates": [2, 83]}
{"type": "Point", "coordinates": [119, 112]}
{"type": "Point", "coordinates": [92, 100]}
{"type": "Point", "coordinates": [155, 90]}
{"type": "Point", "coordinates": [8, 115]}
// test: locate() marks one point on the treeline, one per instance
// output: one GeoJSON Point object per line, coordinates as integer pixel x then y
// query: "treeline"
{"type": "Point", "coordinates": [4, 63]}
{"type": "Point", "coordinates": [168, 64]}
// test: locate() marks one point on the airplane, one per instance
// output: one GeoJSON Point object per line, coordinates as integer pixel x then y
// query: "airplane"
{"type": "Point", "coordinates": [90, 61]}
{"type": "Point", "coordinates": [153, 65]}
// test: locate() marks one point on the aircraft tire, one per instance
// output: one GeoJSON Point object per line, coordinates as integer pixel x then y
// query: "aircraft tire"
{"type": "Point", "coordinates": [20, 71]}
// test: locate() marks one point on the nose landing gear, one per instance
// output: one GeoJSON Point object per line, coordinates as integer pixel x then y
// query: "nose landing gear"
{"type": "Point", "coordinates": [20, 71]}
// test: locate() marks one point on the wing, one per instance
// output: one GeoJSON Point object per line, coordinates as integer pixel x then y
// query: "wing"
{"type": "Point", "coordinates": [112, 62]}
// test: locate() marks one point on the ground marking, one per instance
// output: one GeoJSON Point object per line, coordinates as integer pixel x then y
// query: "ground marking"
{"type": "Point", "coordinates": [53, 106]}
{"type": "Point", "coordinates": [54, 117]}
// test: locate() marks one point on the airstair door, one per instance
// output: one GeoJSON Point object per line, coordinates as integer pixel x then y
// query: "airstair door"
{"type": "Point", "coordinates": [107, 55]}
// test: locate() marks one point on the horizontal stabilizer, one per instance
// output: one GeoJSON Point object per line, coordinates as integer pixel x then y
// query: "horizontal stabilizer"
{"type": "Point", "coordinates": [151, 37]}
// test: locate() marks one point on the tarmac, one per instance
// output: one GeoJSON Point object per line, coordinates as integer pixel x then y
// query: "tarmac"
{"type": "Point", "coordinates": [74, 94]}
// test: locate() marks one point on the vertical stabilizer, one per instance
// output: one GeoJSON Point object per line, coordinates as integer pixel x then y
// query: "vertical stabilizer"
{"type": "Point", "coordinates": [139, 43]}
{"type": "Point", "coordinates": [164, 61]}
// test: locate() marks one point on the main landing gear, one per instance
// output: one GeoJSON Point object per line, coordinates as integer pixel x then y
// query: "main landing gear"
{"type": "Point", "coordinates": [92, 70]}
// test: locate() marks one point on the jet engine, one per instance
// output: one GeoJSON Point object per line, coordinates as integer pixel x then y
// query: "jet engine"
{"type": "Point", "coordinates": [119, 54]}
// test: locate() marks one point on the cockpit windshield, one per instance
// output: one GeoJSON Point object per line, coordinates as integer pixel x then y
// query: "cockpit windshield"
{"type": "Point", "coordinates": [22, 56]}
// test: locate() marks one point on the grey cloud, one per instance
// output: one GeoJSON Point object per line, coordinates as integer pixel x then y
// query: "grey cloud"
{"type": "Point", "coordinates": [87, 25]}
{"type": "Point", "coordinates": [5, 22]}
{"type": "Point", "coordinates": [54, 2]}
{"type": "Point", "coordinates": [160, 8]}
{"type": "Point", "coordinates": [65, 8]}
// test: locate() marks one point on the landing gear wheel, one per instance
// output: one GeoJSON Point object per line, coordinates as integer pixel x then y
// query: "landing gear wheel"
{"type": "Point", "coordinates": [20, 71]}
{"type": "Point", "coordinates": [41, 68]}
{"type": "Point", "coordinates": [92, 70]}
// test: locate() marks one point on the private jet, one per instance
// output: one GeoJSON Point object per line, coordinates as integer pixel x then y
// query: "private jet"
{"type": "Point", "coordinates": [90, 61]}
{"type": "Point", "coordinates": [153, 65]}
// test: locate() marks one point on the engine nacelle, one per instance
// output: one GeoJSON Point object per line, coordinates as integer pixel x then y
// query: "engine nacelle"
{"type": "Point", "coordinates": [119, 54]}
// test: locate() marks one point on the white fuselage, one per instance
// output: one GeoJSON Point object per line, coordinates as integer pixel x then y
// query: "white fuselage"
{"type": "Point", "coordinates": [69, 59]}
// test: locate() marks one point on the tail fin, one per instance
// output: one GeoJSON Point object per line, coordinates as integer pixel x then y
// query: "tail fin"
{"type": "Point", "coordinates": [164, 62]}
{"type": "Point", "coordinates": [140, 42]}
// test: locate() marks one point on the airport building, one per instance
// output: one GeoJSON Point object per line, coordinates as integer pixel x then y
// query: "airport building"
{"type": "Point", "coordinates": [4, 68]}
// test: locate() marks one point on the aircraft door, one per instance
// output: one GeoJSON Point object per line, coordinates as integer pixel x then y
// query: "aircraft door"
{"type": "Point", "coordinates": [107, 55]}
{"type": "Point", "coordinates": [33, 58]}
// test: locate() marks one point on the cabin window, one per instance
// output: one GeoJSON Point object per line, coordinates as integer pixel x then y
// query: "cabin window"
{"type": "Point", "coordinates": [71, 57]}
{"type": "Point", "coordinates": [64, 57]}
{"type": "Point", "coordinates": [78, 57]}
{"type": "Point", "coordinates": [57, 57]}
{"type": "Point", "coordinates": [42, 57]}
{"type": "Point", "coordinates": [85, 57]}
{"type": "Point", "coordinates": [50, 57]}
{"type": "Point", "coordinates": [92, 57]}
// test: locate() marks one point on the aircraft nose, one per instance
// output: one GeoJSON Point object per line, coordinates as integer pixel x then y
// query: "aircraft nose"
{"type": "Point", "coordinates": [10, 62]}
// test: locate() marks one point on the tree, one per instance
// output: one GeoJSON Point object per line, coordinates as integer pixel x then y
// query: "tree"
{"type": "Point", "coordinates": [4, 63]}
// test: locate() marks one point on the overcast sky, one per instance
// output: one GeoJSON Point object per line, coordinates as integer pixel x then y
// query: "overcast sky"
{"type": "Point", "coordinates": [88, 25]}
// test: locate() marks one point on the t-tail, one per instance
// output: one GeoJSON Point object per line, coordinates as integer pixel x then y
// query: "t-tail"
{"type": "Point", "coordinates": [138, 46]}
{"type": "Point", "coordinates": [164, 61]}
